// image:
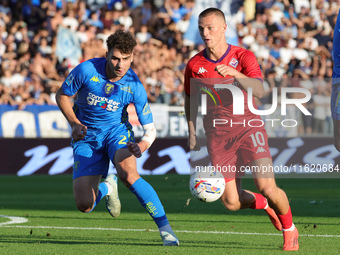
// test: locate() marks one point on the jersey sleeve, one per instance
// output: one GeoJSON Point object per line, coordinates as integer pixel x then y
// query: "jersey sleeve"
{"type": "Point", "coordinates": [142, 106]}
{"type": "Point", "coordinates": [189, 89]}
{"type": "Point", "coordinates": [250, 66]}
{"type": "Point", "coordinates": [336, 47]}
{"type": "Point", "coordinates": [74, 80]}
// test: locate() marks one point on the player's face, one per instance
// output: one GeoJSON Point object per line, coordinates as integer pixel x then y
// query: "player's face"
{"type": "Point", "coordinates": [117, 63]}
{"type": "Point", "coordinates": [212, 30]}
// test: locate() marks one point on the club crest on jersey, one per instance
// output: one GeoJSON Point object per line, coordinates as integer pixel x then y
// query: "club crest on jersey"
{"type": "Point", "coordinates": [233, 62]}
{"type": "Point", "coordinates": [146, 109]}
{"type": "Point", "coordinates": [109, 88]}
{"type": "Point", "coordinates": [69, 80]}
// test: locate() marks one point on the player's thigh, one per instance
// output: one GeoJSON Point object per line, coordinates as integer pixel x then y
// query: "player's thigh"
{"type": "Point", "coordinates": [85, 188]}
{"type": "Point", "coordinates": [89, 158]}
{"type": "Point", "coordinates": [126, 166]}
{"type": "Point", "coordinates": [120, 156]}
{"type": "Point", "coordinates": [264, 176]}
{"type": "Point", "coordinates": [231, 192]}
{"type": "Point", "coordinates": [223, 154]}
{"type": "Point", "coordinates": [336, 125]}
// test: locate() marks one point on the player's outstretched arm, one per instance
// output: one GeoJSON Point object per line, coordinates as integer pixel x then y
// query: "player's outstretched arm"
{"type": "Point", "coordinates": [78, 129]}
{"type": "Point", "coordinates": [190, 108]}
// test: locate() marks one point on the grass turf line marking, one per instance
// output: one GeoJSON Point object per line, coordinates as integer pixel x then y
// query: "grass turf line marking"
{"type": "Point", "coordinates": [154, 230]}
{"type": "Point", "coordinates": [13, 220]}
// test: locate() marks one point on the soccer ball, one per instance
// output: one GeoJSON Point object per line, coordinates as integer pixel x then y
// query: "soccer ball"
{"type": "Point", "coordinates": [207, 186]}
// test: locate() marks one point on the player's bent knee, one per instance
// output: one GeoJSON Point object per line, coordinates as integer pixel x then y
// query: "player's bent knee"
{"type": "Point", "coordinates": [231, 206]}
{"type": "Point", "coordinates": [128, 177]}
{"type": "Point", "coordinates": [84, 206]}
{"type": "Point", "coordinates": [268, 191]}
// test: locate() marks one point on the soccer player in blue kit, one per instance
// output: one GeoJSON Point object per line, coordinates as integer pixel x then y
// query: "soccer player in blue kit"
{"type": "Point", "coordinates": [335, 98]}
{"type": "Point", "coordinates": [104, 87]}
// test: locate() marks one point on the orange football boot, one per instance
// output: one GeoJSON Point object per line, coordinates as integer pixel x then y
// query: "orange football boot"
{"type": "Point", "coordinates": [290, 240]}
{"type": "Point", "coordinates": [273, 218]}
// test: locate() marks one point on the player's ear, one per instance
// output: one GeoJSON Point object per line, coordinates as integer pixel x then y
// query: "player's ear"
{"type": "Point", "coordinates": [224, 27]}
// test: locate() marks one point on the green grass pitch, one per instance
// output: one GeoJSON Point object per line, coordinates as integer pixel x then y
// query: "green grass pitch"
{"type": "Point", "coordinates": [54, 226]}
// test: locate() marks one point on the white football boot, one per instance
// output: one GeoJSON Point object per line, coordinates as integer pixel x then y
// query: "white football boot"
{"type": "Point", "coordinates": [169, 238]}
{"type": "Point", "coordinates": [112, 201]}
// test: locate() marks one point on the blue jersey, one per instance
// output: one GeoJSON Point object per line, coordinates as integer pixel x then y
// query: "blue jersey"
{"type": "Point", "coordinates": [336, 49]}
{"type": "Point", "coordinates": [101, 104]}
{"type": "Point", "coordinates": [335, 96]}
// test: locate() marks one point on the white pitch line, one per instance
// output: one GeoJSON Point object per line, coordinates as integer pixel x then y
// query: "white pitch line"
{"type": "Point", "coordinates": [153, 230]}
{"type": "Point", "coordinates": [14, 220]}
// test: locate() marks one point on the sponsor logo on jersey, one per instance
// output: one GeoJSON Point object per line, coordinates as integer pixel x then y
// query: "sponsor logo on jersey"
{"type": "Point", "coordinates": [260, 150]}
{"type": "Point", "coordinates": [103, 102]}
{"type": "Point", "coordinates": [233, 62]}
{"type": "Point", "coordinates": [127, 89]}
{"type": "Point", "coordinates": [109, 88]}
{"type": "Point", "coordinates": [95, 79]}
{"type": "Point", "coordinates": [146, 109]}
{"type": "Point", "coordinates": [201, 70]}
{"type": "Point", "coordinates": [69, 80]}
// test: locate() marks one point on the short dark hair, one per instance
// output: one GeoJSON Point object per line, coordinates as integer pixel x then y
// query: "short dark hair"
{"type": "Point", "coordinates": [122, 40]}
{"type": "Point", "coordinates": [212, 10]}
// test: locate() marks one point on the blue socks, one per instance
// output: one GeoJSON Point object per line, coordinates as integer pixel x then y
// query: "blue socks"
{"type": "Point", "coordinates": [148, 197]}
{"type": "Point", "coordinates": [102, 192]}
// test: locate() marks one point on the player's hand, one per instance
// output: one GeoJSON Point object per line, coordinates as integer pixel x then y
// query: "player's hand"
{"type": "Point", "coordinates": [193, 143]}
{"type": "Point", "coordinates": [134, 149]}
{"type": "Point", "coordinates": [78, 132]}
{"type": "Point", "coordinates": [225, 70]}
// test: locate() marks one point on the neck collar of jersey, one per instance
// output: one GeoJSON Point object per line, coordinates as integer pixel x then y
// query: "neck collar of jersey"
{"type": "Point", "coordinates": [220, 59]}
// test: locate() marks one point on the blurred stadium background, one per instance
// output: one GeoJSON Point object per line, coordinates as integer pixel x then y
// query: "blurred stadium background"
{"type": "Point", "coordinates": [41, 41]}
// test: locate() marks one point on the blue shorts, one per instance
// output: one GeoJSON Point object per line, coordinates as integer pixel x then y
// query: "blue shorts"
{"type": "Point", "coordinates": [335, 97]}
{"type": "Point", "coordinates": [92, 155]}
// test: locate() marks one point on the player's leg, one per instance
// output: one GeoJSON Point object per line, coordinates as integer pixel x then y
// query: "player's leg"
{"type": "Point", "coordinates": [335, 97]}
{"type": "Point", "coordinates": [234, 197]}
{"type": "Point", "coordinates": [126, 167]}
{"type": "Point", "coordinates": [335, 108]}
{"type": "Point", "coordinates": [277, 200]}
{"type": "Point", "coordinates": [89, 167]}
{"type": "Point", "coordinates": [336, 125]}
{"type": "Point", "coordinates": [224, 156]}
{"type": "Point", "coordinates": [85, 190]}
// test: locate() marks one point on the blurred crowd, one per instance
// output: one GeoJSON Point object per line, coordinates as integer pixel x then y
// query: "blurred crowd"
{"type": "Point", "coordinates": [292, 40]}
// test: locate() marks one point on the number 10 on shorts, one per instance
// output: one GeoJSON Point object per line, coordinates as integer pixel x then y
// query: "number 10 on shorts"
{"type": "Point", "coordinates": [258, 139]}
